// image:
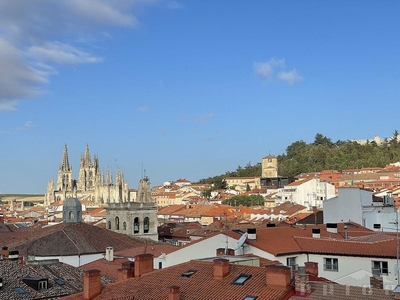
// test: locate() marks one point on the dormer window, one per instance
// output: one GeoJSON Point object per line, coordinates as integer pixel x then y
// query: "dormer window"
{"type": "Point", "coordinates": [241, 279]}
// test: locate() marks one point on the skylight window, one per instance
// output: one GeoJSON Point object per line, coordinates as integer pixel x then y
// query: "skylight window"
{"type": "Point", "coordinates": [189, 273]}
{"type": "Point", "coordinates": [241, 279]}
{"type": "Point", "coordinates": [19, 290]}
{"type": "Point", "coordinates": [250, 298]}
{"type": "Point", "coordinates": [59, 282]}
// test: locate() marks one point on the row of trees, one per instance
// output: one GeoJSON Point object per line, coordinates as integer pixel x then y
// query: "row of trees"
{"type": "Point", "coordinates": [323, 154]}
{"type": "Point", "coordinates": [245, 200]}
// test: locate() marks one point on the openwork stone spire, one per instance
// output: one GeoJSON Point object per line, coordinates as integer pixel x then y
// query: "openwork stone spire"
{"type": "Point", "coordinates": [65, 166]}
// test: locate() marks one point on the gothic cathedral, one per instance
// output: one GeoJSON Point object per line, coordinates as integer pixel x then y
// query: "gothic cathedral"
{"type": "Point", "coordinates": [91, 185]}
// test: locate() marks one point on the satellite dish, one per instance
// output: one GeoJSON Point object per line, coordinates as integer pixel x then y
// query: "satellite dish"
{"type": "Point", "coordinates": [241, 241]}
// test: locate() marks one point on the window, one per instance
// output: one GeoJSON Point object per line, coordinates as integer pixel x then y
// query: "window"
{"type": "Point", "coordinates": [124, 226]}
{"type": "Point", "coordinates": [146, 225]}
{"type": "Point", "coordinates": [331, 264]}
{"type": "Point", "coordinates": [189, 273]}
{"type": "Point", "coordinates": [381, 266]}
{"type": "Point", "coordinates": [250, 298]}
{"type": "Point", "coordinates": [42, 285]}
{"type": "Point", "coordinates": [136, 225]}
{"type": "Point", "coordinates": [291, 262]}
{"type": "Point", "coordinates": [59, 281]}
{"type": "Point", "coordinates": [116, 223]}
{"type": "Point", "coordinates": [19, 290]}
{"type": "Point", "coordinates": [241, 279]}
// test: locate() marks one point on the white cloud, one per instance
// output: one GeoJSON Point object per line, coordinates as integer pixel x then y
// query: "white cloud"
{"type": "Point", "coordinates": [174, 5]}
{"type": "Point", "coordinates": [27, 125]}
{"type": "Point", "coordinates": [61, 53]}
{"type": "Point", "coordinates": [266, 69]}
{"type": "Point", "coordinates": [290, 77]}
{"type": "Point", "coordinates": [205, 117]}
{"type": "Point", "coordinates": [28, 57]}
{"type": "Point", "coordinates": [143, 109]}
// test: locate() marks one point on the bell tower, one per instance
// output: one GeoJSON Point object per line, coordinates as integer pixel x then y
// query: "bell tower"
{"type": "Point", "coordinates": [64, 180]}
{"type": "Point", "coordinates": [269, 167]}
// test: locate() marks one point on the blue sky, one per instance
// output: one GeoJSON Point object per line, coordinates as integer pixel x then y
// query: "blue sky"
{"type": "Point", "coordinates": [188, 89]}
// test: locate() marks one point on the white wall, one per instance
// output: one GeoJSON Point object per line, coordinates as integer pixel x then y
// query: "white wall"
{"type": "Point", "coordinates": [354, 270]}
{"type": "Point", "coordinates": [74, 260]}
{"type": "Point", "coordinates": [356, 205]}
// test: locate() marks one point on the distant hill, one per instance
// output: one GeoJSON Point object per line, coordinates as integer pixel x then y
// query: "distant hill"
{"type": "Point", "coordinates": [323, 154]}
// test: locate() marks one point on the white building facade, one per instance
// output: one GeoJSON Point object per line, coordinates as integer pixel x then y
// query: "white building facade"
{"type": "Point", "coordinates": [360, 206]}
{"type": "Point", "coordinates": [308, 192]}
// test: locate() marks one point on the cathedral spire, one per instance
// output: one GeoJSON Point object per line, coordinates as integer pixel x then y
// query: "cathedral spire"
{"type": "Point", "coordinates": [65, 166]}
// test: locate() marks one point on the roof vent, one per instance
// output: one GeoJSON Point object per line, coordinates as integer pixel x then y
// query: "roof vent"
{"type": "Point", "coordinates": [251, 234]}
{"type": "Point", "coordinates": [331, 227]}
{"type": "Point", "coordinates": [316, 233]}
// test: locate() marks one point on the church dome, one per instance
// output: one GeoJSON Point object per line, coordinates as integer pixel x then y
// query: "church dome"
{"type": "Point", "coordinates": [72, 202]}
{"type": "Point", "coordinates": [72, 210]}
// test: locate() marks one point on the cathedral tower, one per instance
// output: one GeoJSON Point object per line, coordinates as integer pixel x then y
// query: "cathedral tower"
{"type": "Point", "coordinates": [64, 180]}
{"type": "Point", "coordinates": [89, 173]}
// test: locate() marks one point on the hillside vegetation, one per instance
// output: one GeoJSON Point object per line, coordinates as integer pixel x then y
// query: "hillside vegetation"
{"type": "Point", "coordinates": [323, 154]}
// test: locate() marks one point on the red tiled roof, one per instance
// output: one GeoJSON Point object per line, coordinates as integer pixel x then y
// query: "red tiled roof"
{"type": "Point", "coordinates": [285, 241]}
{"type": "Point", "coordinates": [200, 285]}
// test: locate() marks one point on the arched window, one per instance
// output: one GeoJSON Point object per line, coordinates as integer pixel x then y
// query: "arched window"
{"type": "Point", "coordinates": [136, 225]}
{"type": "Point", "coordinates": [116, 223]}
{"type": "Point", "coordinates": [124, 226]}
{"type": "Point", "coordinates": [78, 215]}
{"type": "Point", "coordinates": [146, 225]}
{"type": "Point", "coordinates": [71, 215]}
{"type": "Point", "coordinates": [109, 224]}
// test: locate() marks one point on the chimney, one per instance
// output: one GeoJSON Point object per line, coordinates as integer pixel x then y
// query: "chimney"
{"type": "Point", "coordinates": [302, 282]}
{"type": "Point", "coordinates": [251, 234]}
{"type": "Point", "coordinates": [376, 282]}
{"type": "Point", "coordinates": [143, 264]}
{"type": "Point", "coordinates": [311, 268]}
{"type": "Point", "coordinates": [278, 277]}
{"type": "Point", "coordinates": [128, 265]}
{"type": "Point", "coordinates": [331, 227]}
{"type": "Point", "coordinates": [221, 268]}
{"type": "Point", "coordinates": [109, 253]}
{"type": "Point", "coordinates": [4, 252]}
{"type": "Point", "coordinates": [396, 292]}
{"type": "Point", "coordinates": [314, 209]}
{"type": "Point", "coordinates": [316, 233]}
{"type": "Point", "coordinates": [229, 251]}
{"type": "Point", "coordinates": [124, 274]}
{"type": "Point", "coordinates": [91, 284]}
{"type": "Point", "coordinates": [346, 234]}
{"type": "Point", "coordinates": [174, 293]}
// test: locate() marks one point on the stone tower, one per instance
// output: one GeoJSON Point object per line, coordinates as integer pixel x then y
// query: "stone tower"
{"type": "Point", "coordinates": [269, 167]}
{"type": "Point", "coordinates": [72, 210]}
{"type": "Point", "coordinates": [64, 180]}
{"type": "Point", "coordinates": [89, 173]}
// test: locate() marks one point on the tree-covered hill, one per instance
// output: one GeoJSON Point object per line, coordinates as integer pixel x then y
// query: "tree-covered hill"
{"type": "Point", "coordinates": [323, 154]}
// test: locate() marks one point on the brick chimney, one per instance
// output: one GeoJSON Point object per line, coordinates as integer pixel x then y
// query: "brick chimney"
{"type": "Point", "coordinates": [221, 268]}
{"type": "Point", "coordinates": [302, 282]}
{"type": "Point", "coordinates": [278, 277]}
{"type": "Point", "coordinates": [229, 251]}
{"type": "Point", "coordinates": [124, 274]}
{"type": "Point", "coordinates": [4, 252]}
{"type": "Point", "coordinates": [311, 268]}
{"type": "Point", "coordinates": [143, 264]}
{"type": "Point", "coordinates": [174, 293]}
{"type": "Point", "coordinates": [376, 282]}
{"type": "Point", "coordinates": [91, 284]}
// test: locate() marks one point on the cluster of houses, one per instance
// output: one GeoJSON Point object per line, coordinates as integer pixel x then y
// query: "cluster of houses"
{"type": "Point", "coordinates": [326, 235]}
